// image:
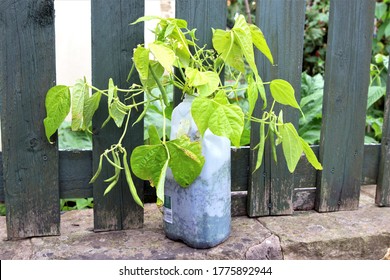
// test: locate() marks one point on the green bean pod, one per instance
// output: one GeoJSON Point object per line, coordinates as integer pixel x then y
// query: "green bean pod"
{"type": "Point", "coordinates": [130, 182]}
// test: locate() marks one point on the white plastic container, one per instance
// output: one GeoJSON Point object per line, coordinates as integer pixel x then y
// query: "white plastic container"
{"type": "Point", "coordinates": [199, 215]}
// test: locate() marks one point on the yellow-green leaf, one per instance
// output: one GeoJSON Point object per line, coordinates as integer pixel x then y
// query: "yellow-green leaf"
{"type": "Point", "coordinates": [252, 92]}
{"type": "Point", "coordinates": [154, 138]}
{"type": "Point", "coordinates": [260, 42]}
{"type": "Point", "coordinates": [117, 113]}
{"type": "Point", "coordinates": [201, 110]}
{"type": "Point", "coordinates": [186, 160]}
{"type": "Point", "coordinates": [283, 92]}
{"type": "Point", "coordinates": [228, 49]}
{"type": "Point", "coordinates": [243, 37]}
{"type": "Point", "coordinates": [163, 54]}
{"type": "Point", "coordinates": [291, 144]}
{"type": "Point", "coordinates": [310, 156]}
{"type": "Point", "coordinates": [206, 82]}
{"type": "Point", "coordinates": [91, 104]}
{"type": "Point", "coordinates": [227, 120]}
{"type": "Point", "coordinates": [141, 61]}
{"type": "Point", "coordinates": [161, 182]}
{"type": "Point", "coordinates": [57, 105]}
{"type": "Point", "coordinates": [260, 147]}
{"type": "Point", "coordinates": [147, 162]}
{"type": "Point", "coordinates": [79, 95]}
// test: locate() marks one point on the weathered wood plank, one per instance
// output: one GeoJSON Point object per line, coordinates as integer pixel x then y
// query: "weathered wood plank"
{"type": "Point", "coordinates": [305, 175]}
{"type": "Point", "coordinates": [2, 195]}
{"type": "Point", "coordinates": [75, 174]}
{"type": "Point", "coordinates": [27, 71]}
{"type": "Point", "coordinates": [240, 168]}
{"type": "Point", "coordinates": [202, 15]}
{"type": "Point", "coordinates": [370, 164]}
{"type": "Point", "coordinates": [345, 98]}
{"type": "Point", "coordinates": [113, 41]}
{"type": "Point", "coordinates": [382, 197]}
{"type": "Point", "coordinates": [239, 203]}
{"type": "Point", "coordinates": [282, 23]}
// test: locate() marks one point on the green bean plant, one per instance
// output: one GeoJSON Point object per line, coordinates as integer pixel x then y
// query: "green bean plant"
{"type": "Point", "coordinates": [175, 59]}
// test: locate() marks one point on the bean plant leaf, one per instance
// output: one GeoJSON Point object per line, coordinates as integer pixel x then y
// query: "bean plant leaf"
{"type": "Point", "coordinates": [186, 160]}
{"type": "Point", "coordinates": [141, 61]}
{"type": "Point", "coordinates": [181, 43]}
{"type": "Point", "coordinates": [374, 94]}
{"type": "Point", "coordinates": [310, 156]}
{"type": "Point", "coordinates": [201, 111]}
{"type": "Point", "coordinates": [79, 95]}
{"type": "Point", "coordinates": [273, 145]}
{"type": "Point", "coordinates": [221, 98]}
{"type": "Point", "coordinates": [180, 23]}
{"type": "Point", "coordinates": [147, 162]}
{"type": "Point", "coordinates": [243, 37]}
{"type": "Point", "coordinates": [228, 49]}
{"type": "Point", "coordinates": [163, 54]}
{"type": "Point", "coordinates": [260, 42]}
{"type": "Point", "coordinates": [161, 183]}
{"type": "Point", "coordinates": [117, 112]}
{"type": "Point", "coordinates": [112, 92]}
{"type": "Point", "coordinates": [283, 92]}
{"type": "Point", "coordinates": [228, 120]}
{"type": "Point", "coordinates": [195, 77]}
{"type": "Point", "coordinates": [252, 92]}
{"type": "Point", "coordinates": [260, 147]}
{"type": "Point", "coordinates": [169, 29]}
{"type": "Point", "coordinates": [206, 82]}
{"type": "Point", "coordinates": [154, 138]}
{"type": "Point", "coordinates": [57, 105]}
{"type": "Point", "coordinates": [222, 119]}
{"type": "Point", "coordinates": [291, 144]}
{"type": "Point", "coordinates": [91, 104]}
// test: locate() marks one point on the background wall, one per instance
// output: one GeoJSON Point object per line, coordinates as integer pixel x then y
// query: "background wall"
{"type": "Point", "coordinates": [73, 35]}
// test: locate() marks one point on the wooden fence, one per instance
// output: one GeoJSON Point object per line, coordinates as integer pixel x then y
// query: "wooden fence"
{"type": "Point", "coordinates": [35, 175]}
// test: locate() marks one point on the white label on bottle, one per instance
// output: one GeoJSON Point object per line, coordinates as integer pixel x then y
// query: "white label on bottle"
{"type": "Point", "coordinates": [168, 209]}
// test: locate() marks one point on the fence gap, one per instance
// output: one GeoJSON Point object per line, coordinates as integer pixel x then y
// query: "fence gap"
{"type": "Point", "coordinates": [30, 163]}
{"type": "Point", "coordinates": [382, 197]}
{"type": "Point", "coordinates": [282, 22]}
{"type": "Point", "coordinates": [344, 106]}
{"type": "Point", "coordinates": [113, 41]}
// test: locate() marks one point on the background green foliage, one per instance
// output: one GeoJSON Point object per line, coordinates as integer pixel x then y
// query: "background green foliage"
{"type": "Point", "coordinates": [316, 28]}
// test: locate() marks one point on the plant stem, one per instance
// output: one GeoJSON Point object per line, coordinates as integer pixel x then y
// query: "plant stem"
{"type": "Point", "coordinates": [272, 107]}
{"type": "Point", "coordinates": [125, 129]}
{"type": "Point", "coordinates": [248, 11]}
{"type": "Point", "coordinates": [98, 90]}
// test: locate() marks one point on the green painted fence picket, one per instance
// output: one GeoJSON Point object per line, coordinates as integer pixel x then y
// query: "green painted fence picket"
{"type": "Point", "coordinates": [271, 189]}
{"type": "Point", "coordinates": [113, 41]}
{"type": "Point", "coordinates": [347, 77]}
{"type": "Point", "coordinates": [30, 163]}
